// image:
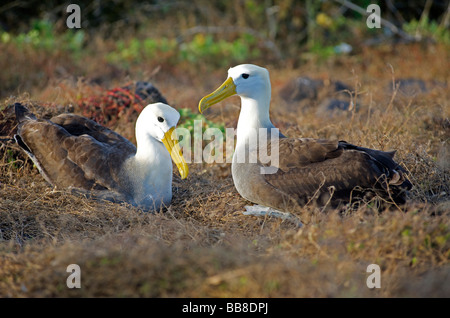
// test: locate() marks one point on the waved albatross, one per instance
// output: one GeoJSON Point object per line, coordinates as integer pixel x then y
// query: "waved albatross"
{"type": "Point", "coordinates": [326, 172]}
{"type": "Point", "coordinates": [76, 153]}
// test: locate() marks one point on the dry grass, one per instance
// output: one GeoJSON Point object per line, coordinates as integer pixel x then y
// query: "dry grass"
{"type": "Point", "coordinates": [202, 245]}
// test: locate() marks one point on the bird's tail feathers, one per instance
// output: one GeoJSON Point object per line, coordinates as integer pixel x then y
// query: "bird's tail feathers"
{"type": "Point", "coordinates": [22, 113]}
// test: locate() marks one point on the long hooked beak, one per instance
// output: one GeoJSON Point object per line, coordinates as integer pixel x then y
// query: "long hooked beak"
{"type": "Point", "coordinates": [227, 89]}
{"type": "Point", "coordinates": [173, 147]}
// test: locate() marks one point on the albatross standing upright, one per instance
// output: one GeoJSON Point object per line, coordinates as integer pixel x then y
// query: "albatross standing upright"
{"type": "Point", "coordinates": [74, 152]}
{"type": "Point", "coordinates": [326, 172]}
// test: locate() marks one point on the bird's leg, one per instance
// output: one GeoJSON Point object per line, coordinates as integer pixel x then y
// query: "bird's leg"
{"type": "Point", "coordinates": [261, 210]}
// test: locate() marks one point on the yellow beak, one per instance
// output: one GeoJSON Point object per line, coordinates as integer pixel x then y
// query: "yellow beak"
{"type": "Point", "coordinates": [175, 152]}
{"type": "Point", "coordinates": [227, 89]}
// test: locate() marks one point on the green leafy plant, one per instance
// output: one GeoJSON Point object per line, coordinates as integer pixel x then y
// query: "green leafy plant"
{"type": "Point", "coordinates": [134, 51]}
{"type": "Point", "coordinates": [201, 49]}
{"type": "Point", "coordinates": [426, 28]}
{"type": "Point", "coordinates": [188, 118]}
{"type": "Point", "coordinates": [205, 48]}
{"type": "Point", "coordinates": [42, 36]}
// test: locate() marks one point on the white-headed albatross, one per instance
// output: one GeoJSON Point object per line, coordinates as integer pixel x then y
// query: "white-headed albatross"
{"type": "Point", "coordinates": [309, 170]}
{"type": "Point", "coordinates": [76, 153]}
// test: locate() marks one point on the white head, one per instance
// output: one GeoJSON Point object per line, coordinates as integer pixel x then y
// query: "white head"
{"type": "Point", "coordinates": [158, 121]}
{"type": "Point", "coordinates": [247, 81]}
{"type": "Point", "coordinates": [250, 80]}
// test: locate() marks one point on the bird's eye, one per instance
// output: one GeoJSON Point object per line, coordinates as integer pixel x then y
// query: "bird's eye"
{"type": "Point", "coordinates": [245, 76]}
{"type": "Point", "coordinates": [160, 119]}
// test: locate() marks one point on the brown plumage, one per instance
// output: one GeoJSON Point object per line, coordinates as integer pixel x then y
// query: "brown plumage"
{"type": "Point", "coordinates": [67, 149]}
{"type": "Point", "coordinates": [74, 152]}
{"type": "Point", "coordinates": [323, 172]}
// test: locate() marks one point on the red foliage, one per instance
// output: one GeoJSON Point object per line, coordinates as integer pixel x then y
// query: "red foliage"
{"type": "Point", "coordinates": [110, 105]}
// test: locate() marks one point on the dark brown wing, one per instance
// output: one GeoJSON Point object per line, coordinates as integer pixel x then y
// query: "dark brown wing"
{"type": "Point", "coordinates": [85, 155]}
{"type": "Point", "coordinates": [78, 125]}
{"type": "Point", "coordinates": [328, 170]}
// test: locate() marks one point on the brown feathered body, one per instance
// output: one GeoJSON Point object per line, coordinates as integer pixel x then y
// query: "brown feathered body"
{"type": "Point", "coordinates": [306, 170]}
{"type": "Point", "coordinates": [322, 172]}
{"type": "Point", "coordinates": [73, 152]}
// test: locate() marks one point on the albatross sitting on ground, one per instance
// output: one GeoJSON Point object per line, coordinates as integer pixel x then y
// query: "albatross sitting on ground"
{"type": "Point", "coordinates": [76, 153]}
{"type": "Point", "coordinates": [327, 172]}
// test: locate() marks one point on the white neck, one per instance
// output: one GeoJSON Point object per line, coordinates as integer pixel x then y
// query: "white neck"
{"type": "Point", "coordinates": [254, 115]}
{"type": "Point", "coordinates": [150, 169]}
